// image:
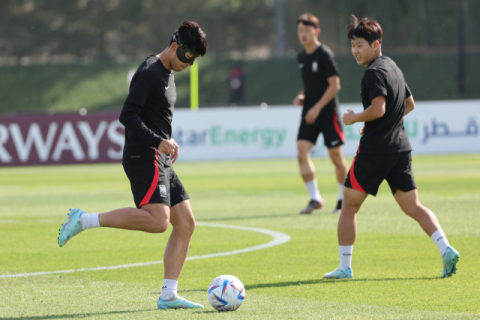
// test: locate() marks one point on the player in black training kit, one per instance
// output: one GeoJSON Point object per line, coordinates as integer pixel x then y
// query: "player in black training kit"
{"type": "Point", "coordinates": [148, 156]}
{"type": "Point", "coordinates": [320, 113]}
{"type": "Point", "coordinates": [384, 149]}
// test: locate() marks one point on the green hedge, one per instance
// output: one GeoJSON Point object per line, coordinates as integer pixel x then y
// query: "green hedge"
{"type": "Point", "coordinates": [61, 88]}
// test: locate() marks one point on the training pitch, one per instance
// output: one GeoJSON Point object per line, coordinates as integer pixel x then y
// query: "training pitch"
{"type": "Point", "coordinates": [248, 226]}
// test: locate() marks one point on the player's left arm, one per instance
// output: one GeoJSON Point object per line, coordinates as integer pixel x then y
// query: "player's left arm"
{"type": "Point", "coordinates": [409, 105]}
{"type": "Point", "coordinates": [374, 111]}
{"type": "Point", "coordinates": [328, 95]}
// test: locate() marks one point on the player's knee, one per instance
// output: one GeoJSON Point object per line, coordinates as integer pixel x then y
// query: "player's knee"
{"type": "Point", "coordinates": [351, 205]}
{"type": "Point", "coordinates": [189, 225]}
{"type": "Point", "coordinates": [414, 210]}
{"type": "Point", "coordinates": [159, 226]}
{"type": "Point", "coordinates": [186, 226]}
{"type": "Point", "coordinates": [337, 161]}
{"type": "Point", "coordinates": [302, 157]}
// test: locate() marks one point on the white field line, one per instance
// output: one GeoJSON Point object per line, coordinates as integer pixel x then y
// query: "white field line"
{"type": "Point", "coordinates": [278, 239]}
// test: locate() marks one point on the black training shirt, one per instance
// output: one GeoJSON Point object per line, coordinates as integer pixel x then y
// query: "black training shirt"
{"type": "Point", "coordinates": [386, 134]}
{"type": "Point", "coordinates": [147, 112]}
{"type": "Point", "coordinates": [316, 68]}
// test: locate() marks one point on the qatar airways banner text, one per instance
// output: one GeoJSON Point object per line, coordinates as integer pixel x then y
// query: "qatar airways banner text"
{"type": "Point", "coordinates": [60, 139]}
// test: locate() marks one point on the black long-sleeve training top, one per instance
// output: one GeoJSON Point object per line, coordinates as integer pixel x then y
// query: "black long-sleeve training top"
{"type": "Point", "coordinates": [148, 111]}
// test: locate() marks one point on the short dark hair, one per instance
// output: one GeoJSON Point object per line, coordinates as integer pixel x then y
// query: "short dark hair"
{"type": "Point", "coordinates": [192, 36]}
{"type": "Point", "coordinates": [366, 28]}
{"type": "Point", "coordinates": [308, 19]}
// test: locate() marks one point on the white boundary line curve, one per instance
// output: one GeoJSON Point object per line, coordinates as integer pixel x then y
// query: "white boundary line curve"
{"type": "Point", "coordinates": [278, 239]}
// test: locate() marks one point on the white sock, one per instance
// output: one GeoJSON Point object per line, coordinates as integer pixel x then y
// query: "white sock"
{"type": "Point", "coordinates": [440, 240]}
{"type": "Point", "coordinates": [345, 256]}
{"type": "Point", "coordinates": [169, 289]}
{"type": "Point", "coordinates": [312, 188]}
{"type": "Point", "coordinates": [90, 220]}
{"type": "Point", "coordinates": [341, 187]}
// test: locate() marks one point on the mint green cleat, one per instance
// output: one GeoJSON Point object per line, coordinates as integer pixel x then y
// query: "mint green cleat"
{"type": "Point", "coordinates": [340, 274]}
{"type": "Point", "coordinates": [177, 302]}
{"type": "Point", "coordinates": [72, 226]}
{"type": "Point", "coordinates": [450, 259]}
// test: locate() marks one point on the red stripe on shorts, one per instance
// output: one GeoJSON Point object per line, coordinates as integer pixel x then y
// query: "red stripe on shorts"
{"type": "Point", "coordinates": [353, 179]}
{"type": "Point", "coordinates": [149, 194]}
{"type": "Point", "coordinates": [337, 127]}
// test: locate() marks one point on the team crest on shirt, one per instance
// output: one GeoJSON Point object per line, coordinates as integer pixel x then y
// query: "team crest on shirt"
{"type": "Point", "coordinates": [314, 66]}
{"type": "Point", "coordinates": [163, 191]}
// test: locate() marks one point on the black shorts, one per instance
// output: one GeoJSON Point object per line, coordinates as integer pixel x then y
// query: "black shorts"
{"type": "Point", "coordinates": [154, 182]}
{"type": "Point", "coordinates": [369, 170]}
{"type": "Point", "coordinates": [331, 128]}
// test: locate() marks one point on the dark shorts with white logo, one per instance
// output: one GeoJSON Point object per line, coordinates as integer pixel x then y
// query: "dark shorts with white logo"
{"type": "Point", "coordinates": [369, 170]}
{"type": "Point", "coordinates": [154, 182]}
{"type": "Point", "coordinates": [332, 132]}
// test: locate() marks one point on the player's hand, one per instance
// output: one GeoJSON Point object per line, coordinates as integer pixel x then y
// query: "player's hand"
{"type": "Point", "coordinates": [312, 115]}
{"type": "Point", "coordinates": [175, 154]}
{"type": "Point", "coordinates": [349, 117]}
{"type": "Point", "coordinates": [362, 129]}
{"type": "Point", "coordinates": [166, 147]}
{"type": "Point", "coordinates": [298, 101]}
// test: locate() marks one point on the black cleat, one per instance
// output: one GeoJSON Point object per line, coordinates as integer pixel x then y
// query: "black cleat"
{"type": "Point", "coordinates": [312, 205]}
{"type": "Point", "coordinates": [338, 208]}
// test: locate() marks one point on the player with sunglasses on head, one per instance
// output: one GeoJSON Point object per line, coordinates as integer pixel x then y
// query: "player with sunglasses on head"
{"type": "Point", "coordinates": [148, 155]}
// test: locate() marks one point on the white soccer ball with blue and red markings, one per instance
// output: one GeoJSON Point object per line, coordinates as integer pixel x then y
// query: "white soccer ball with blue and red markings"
{"type": "Point", "coordinates": [226, 293]}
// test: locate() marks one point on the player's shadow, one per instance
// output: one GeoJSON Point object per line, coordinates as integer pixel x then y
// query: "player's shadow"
{"type": "Point", "coordinates": [266, 216]}
{"type": "Point", "coordinates": [313, 281]}
{"type": "Point", "coordinates": [74, 315]}
{"type": "Point", "coordinates": [329, 281]}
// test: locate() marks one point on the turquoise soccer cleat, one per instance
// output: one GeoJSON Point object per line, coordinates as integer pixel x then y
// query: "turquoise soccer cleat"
{"type": "Point", "coordinates": [177, 302]}
{"type": "Point", "coordinates": [450, 259]}
{"type": "Point", "coordinates": [72, 226]}
{"type": "Point", "coordinates": [340, 274]}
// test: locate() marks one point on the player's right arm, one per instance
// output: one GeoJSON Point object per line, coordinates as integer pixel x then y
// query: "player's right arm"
{"type": "Point", "coordinates": [140, 90]}
{"type": "Point", "coordinates": [298, 101]}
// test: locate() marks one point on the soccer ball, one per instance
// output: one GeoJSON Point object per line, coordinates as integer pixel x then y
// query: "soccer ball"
{"type": "Point", "coordinates": [226, 293]}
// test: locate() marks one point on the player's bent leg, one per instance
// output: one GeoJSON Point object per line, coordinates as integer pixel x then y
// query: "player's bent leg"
{"type": "Point", "coordinates": [183, 223]}
{"type": "Point", "coordinates": [304, 151]}
{"type": "Point", "coordinates": [307, 170]}
{"type": "Point", "coordinates": [410, 204]}
{"type": "Point", "coordinates": [347, 223]}
{"type": "Point", "coordinates": [347, 232]}
{"type": "Point", "coordinates": [151, 218]}
{"type": "Point", "coordinates": [71, 227]}
{"type": "Point", "coordinates": [341, 169]}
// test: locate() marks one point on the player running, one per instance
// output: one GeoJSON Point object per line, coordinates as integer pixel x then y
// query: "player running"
{"type": "Point", "coordinates": [149, 153]}
{"type": "Point", "coordinates": [320, 113]}
{"type": "Point", "coordinates": [384, 149]}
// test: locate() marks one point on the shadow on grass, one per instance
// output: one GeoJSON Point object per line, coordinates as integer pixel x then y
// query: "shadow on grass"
{"type": "Point", "coordinates": [312, 281]}
{"type": "Point", "coordinates": [266, 216]}
{"type": "Point", "coordinates": [75, 315]}
{"type": "Point", "coordinates": [330, 281]}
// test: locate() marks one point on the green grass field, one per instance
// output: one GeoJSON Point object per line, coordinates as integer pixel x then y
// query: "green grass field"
{"type": "Point", "coordinates": [396, 266]}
